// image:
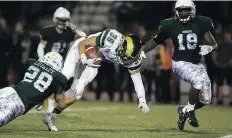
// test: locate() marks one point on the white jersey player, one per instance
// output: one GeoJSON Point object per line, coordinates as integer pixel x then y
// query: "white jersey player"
{"type": "Point", "coordinates": [115, 48]}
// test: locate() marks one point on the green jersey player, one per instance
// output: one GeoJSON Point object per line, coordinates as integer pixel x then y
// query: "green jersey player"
{"type": "Point", "coordinates": [187, 31]}
{"type": "Point", "coordinates": [41, 80]}
{"type": "Point", "coordinates": [115, 48]}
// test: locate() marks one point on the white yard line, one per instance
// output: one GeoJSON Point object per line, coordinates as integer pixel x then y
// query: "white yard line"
{"type": "Point", "coordinates": [228, 136]}
{"type": "Point", "coordinates": [78, 109]}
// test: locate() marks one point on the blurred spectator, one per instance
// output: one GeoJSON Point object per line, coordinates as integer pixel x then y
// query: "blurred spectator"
{"type": "Point", "coordinates": [105, 79]}
{"type": "Point", "coordinates": [6, 46]}
{"type": "Point", "coordinates": [21, 50]}
{"type": "Point", "coordinates": [163, 72]}
{"type": "Point", "coordinates": [223, 63]}
{"type": "Point", "coordinates": [124, 83]}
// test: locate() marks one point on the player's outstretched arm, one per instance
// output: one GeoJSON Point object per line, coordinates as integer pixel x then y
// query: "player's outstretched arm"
{"type": "Point", "coordinates": [139, 88]}
{"type": "Point", "coordinates": [151, 44]}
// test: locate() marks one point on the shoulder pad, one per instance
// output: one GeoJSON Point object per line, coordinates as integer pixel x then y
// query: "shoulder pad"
{"type": "Point", "coordinates": [167, 23]}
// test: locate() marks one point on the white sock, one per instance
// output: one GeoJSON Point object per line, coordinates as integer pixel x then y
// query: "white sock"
{"type": "Point", "coordinates": [188, 107]}
{"type": "Point", "coordinates": [51, 103]}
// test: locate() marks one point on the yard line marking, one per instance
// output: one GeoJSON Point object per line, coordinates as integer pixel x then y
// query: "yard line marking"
{"type": "Point", "coordinates": [132, 117]}
{"type": "Point", "coordinates": [228, 136]}
{"type": "Point", "coordinates": [78, 109]}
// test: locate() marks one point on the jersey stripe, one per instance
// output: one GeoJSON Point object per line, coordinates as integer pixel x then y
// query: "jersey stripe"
{"type": "Point", "coordinates": [103, 37]}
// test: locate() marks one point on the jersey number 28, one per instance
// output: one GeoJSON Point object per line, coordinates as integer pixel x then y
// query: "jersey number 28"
{"type": "Point", "coordinates": [191, 41]}
{"type": "Point", "coordinates": [43, 81]}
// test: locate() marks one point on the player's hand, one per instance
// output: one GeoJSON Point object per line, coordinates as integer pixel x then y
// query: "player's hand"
{"type": "Point", "coordinates": [205, 49]}
{"type": "Point", "coordinates": [143, 105]}
{"type": "Point", "coordinates": [142, 54]}
{"type": "Point", "coordinates": [89, 62]}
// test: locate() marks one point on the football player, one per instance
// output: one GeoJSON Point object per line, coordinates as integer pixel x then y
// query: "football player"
{"type": "Point", "coordinates": [186, 32]}
{"type": "Point", "coordinates": [57, 38]}
{"type": "Point", "coordinates": [42, 79]}
{"type": "Point", "coordinates": [115, 48]}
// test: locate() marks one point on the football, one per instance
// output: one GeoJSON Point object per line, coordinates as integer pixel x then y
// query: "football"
{"type": "Point", "coordinates": [91, 53]}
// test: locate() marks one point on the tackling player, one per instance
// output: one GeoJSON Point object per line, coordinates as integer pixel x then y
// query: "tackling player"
{"type": "Point", "coordinates": [186, 32]}
{"type": "Point", "coordinates": [115, 48]}
{"type": "Point", "coordinates": [41, 80]}
{"type": "Point", "coordinates": [57, 38]}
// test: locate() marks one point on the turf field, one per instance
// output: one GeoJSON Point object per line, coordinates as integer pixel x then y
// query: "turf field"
{"type": "Point", "coordinates": [121, 120]}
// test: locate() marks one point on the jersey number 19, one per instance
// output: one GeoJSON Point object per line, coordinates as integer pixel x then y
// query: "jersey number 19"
{"type": "Point", "coordinates": [43, 81]}
{"type": "Point", "coordinates": [191, 41]}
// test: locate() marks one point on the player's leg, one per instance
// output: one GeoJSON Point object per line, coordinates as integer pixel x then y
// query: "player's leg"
{"type": "Point", "coordinates": [73, 94]}
{"type": "Point", "coordinates": [200, 92]}
{"type": "Point", "coordinates": [51, 103]}
{"type": "Point", "coordinates": [11, 105]}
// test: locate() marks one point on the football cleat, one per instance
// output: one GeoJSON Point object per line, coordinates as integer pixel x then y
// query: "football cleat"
{"type": "Point", "coordinates": [192, 118]}
{"type": "Point", "coordinates": [50, 121]}
{"type": "Point", "coordinates": [182, 118]}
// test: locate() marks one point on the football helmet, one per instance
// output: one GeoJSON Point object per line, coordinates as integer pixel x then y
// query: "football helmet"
{"type": "Point", "coordinates": [130, 50]}
{"type": "Point", "coordinates": [185, 10]}
{"type": "Point", "coordinates": [54, 60]}
{"type": "Point", "coordinates": [61, 18]}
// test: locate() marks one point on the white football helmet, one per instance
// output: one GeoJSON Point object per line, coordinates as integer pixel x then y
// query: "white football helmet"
{"type": "Point", "coordinates": [185, 10]}
{"type": "Point", "coordinates": [61, 17]}
{"type": "Point", "coordinates": [54, 60]}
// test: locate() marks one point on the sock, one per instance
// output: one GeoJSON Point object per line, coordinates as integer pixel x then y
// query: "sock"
{"type": "Point", "coordinates": [188, 108]}
{"type": "Point", "coordinates": [51, 102]}
{"type": "Point", "coordinates": [55, 112]}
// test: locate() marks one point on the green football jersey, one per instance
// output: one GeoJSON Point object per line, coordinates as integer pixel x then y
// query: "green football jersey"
{"type": "Point", "coordinates": [40, 81]}
{"type": "Point", "coordinates": [186, 37]}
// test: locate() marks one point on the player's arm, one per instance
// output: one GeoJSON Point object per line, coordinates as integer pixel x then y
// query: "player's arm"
{"type": "Point", "coordinates": [158, 39]}
{"type": "Point", "coordinates": [210, 40]}
{"type": "Point", "coordinates": [91, 41]}
{"type": "Point", "coordinates": [42, 44]}
{"type": "Point", "coordinates": [207, 28]}
{"type": "Point", "coordinates": [139, 87]}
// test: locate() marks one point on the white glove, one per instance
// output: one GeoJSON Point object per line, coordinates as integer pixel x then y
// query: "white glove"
{"type": "Point", "coordinates": [143, 105]}
{"type": "Point", "coordinates": [89, 62]}
{"type": "Point", "coordinates": [205, 49]}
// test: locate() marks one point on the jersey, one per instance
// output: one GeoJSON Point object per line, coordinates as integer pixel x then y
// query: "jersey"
{"type": "Point", "coordinates": [108, 43]}
{"type": "Point", "coordinates": [186, 37]}
{"type": "Point", "coordinates": [40, 81]}
{"type": "Point", "coordinates": [57, 42]}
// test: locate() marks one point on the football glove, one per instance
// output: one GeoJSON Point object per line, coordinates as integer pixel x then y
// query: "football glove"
{"type": "Point", "coordinates": [205, 49]}
{"type": "Point", "coordinates": [143, 105]}
{"type": "Point", "coordinates": [89, 62]}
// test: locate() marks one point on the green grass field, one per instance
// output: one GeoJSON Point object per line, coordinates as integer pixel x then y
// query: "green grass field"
{"type": "Point", "coordinates": [121, 120]}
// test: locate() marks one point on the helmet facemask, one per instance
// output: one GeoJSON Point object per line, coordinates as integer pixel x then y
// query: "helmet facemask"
{"type": "Point", "coordinates": [122, 51]}
{"type": "Point", "coordinates": [62, 23]}
{"type": "Point", "coordinates": [185, 14]}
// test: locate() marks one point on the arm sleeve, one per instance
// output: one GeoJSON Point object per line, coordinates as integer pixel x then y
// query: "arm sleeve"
{"type": "Point", "coordinates": [162, 34]}
{"type": "Point", "coordinates": [207, 24]}
{"type": "Point", "coordinates": [138, 84]}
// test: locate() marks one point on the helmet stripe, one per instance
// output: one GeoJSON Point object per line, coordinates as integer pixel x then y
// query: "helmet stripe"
{"type": "Point", "coordinates": [130, 46]}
